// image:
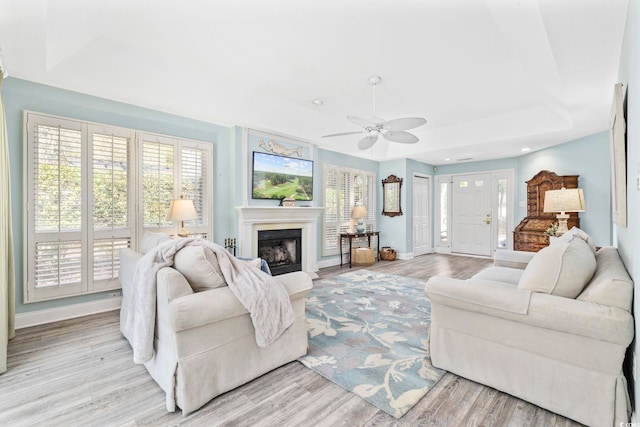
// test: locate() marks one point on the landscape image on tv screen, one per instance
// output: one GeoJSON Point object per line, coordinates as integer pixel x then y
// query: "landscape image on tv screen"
{"type": "Point", "coordinates": [277, 177]}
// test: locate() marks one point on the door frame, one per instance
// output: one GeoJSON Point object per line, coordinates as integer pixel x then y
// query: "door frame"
{"type": "Point", "coordinates": [429, 198]}
{"type": "Point", "coordinates": [444, 246]}
{"type": "Point", "coordinates": [475, 217]}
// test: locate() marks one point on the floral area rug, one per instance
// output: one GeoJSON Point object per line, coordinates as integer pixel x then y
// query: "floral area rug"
{"type": "Point", "coordinates": [368, 333]}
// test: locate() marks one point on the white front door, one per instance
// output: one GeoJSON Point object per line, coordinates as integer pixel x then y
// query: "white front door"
{"type": "Point", "coordinates": [421, 227]}
{"type": "Point", "coordinates": [471, 214]}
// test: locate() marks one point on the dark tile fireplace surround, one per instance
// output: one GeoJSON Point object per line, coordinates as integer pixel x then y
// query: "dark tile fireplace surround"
{"type": "Point", "coordinates": [282, 249]}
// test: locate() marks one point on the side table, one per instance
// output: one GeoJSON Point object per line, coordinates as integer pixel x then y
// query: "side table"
{"type": "Point", "coordinates": [351, 236]}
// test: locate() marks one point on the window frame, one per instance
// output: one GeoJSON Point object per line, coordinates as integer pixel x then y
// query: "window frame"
{"type": "Point", "coordinates": [343, 222]}
{"type": "Point", "coordinates": [204, 230]}
{"type": "Point", "coordinates": [94, 245]}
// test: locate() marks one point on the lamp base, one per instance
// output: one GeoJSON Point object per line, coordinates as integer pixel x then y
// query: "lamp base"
{"type": "Point", "coordinates": [183, 232]}
{"type": "Point", "coordinates": [562, 223]}
{"type": "Point", "coordinates": [360, 226]}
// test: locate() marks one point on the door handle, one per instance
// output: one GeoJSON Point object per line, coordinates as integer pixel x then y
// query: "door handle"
{"type": "Point", "coordinates": [487, 220]}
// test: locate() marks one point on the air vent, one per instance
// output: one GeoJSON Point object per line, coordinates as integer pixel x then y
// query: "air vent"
{"type": "Point", "coordinates": [464, 159]}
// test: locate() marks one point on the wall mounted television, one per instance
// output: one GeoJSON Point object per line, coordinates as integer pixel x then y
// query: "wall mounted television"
{"type": "Point", "coordinates": [276, 177]}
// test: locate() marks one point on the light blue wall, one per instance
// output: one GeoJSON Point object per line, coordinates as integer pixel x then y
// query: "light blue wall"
{"type": "Point", "coordinates": [628, 238]}
{"type": "Point", "coordinates": [588, 157]}
{"type": "Point", "coordinates": [482, 166]}
{"type": "Point", "coordinates": [393, 230]}
{"type": "Point", "coordinates": [19, 95]}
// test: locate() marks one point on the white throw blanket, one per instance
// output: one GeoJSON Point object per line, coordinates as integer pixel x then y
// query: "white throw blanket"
{"type": "Point", "coordinates": [264, 297]}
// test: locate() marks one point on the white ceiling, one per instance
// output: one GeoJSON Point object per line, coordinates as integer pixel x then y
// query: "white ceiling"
{"type": "Point", "coordinates": [490, 76]}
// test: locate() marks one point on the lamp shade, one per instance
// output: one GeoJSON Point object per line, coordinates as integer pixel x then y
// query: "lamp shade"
{"type": "Point", "coordinates": [358, 211]}
{"type": "Point", "coordinates": [182, 210]}
{"type": "Point", "coordinates": [564, 200]}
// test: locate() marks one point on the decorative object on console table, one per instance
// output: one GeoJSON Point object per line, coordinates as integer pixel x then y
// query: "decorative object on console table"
{"type": "Point", "coordinates": [359, 213]}
{"type": "Point", "coordinates": [182, 210]}
{"type": "Point", "coordinates": [562, 201]}
{"type": "Point", "coordinates": [530, 235]}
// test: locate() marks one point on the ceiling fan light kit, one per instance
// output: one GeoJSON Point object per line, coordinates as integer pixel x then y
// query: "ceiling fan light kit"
{"type": "Point", "coordinates": [391, 130]}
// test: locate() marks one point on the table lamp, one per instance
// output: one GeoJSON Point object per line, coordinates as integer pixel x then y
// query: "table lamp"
{"type": "Point", "coordinates": [182, 210]}
{"type": "Point", "coordinates": [359, 213]}
{"type": "Point", "coordinates": [564, 200]}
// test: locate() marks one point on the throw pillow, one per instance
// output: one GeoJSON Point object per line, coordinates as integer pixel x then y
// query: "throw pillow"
{"type": "Point", "coordinates": [200, 267]}
{"type": "Point", "coordinates": [151, 240]}
{"type": "Point", "coordinates": [576, 232]}
{"type": "Point", "coordinates": [561, 269]}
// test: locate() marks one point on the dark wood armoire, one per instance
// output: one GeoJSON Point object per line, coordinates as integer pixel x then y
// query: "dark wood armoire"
{"type": "Point", "coordinates": [530, 235]}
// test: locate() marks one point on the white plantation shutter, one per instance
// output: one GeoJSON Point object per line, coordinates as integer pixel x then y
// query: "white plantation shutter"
{"type": "Point", "coordinates": [343, 188]}
{"type": "Point", "coordinates": [368, 200]}
{"type": "Point", "coordinates": [83, 183]}
{"type": "Point", "coordinates": [157, 182]}
{"type": "Point", "coordinates": [111, 203]}
{"type": "Point", "coordinates": [106, 263]}
{"type": "Point", "coordinates": [54, 217]}
{"type": "Point", "coordinates": [58, 264]}
{"type": "Point", "coordinates": [57, 178]}
{"type": "Point", "coordinates": [330, 224]}
{"type": "Point", "coordinates": [110, 181]}
{"type": "Point", "coordinates": [195, 178]}
{"type": "Point", "coordinates": [172, 168]}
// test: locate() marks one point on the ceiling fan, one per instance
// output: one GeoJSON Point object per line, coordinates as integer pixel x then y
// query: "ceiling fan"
{"type": "Point", "coordinates": [391, 130]}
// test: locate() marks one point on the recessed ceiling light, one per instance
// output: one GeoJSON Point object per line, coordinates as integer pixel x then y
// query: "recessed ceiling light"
{"type": "Point", "coordinates": [525, 149]}
{"type": "Point", "coordinates": [446, 159]}
{"type": "Point", "coordinates": [317, 101]}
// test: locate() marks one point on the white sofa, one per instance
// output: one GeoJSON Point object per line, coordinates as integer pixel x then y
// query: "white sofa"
{"type": "Point", "coordinates": [205, 341]}
{"type": "Point", "coordinates": [562, 353]}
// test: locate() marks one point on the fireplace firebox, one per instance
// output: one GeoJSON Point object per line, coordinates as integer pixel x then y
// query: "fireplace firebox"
{"type": "Point", "coordinates": [282, 249]}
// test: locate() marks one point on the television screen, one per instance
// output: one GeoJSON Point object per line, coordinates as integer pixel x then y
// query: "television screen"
{"type": "Point", "coordinates": [277, 177]}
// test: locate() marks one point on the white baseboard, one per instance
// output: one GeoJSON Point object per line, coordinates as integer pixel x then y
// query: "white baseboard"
{"type": "Point", "coordinates": [405, 255]}
{"type": "Point", "coordinates": [330, 262]}
{"type": "Point", "coordinates": [41, 317]}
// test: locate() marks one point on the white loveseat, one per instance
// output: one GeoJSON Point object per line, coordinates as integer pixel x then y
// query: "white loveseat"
{"type": "Point", "coordinates": [563, 353]}
{"type": "Point", "coordinates": [205, 341]}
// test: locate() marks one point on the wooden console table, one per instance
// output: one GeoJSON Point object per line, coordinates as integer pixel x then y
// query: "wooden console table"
{"type": "Point", "coordinates": [351, 236]}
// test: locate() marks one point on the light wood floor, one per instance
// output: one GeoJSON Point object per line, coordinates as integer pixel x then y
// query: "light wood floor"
{"type": "Point", "coordinates": [80, 372]}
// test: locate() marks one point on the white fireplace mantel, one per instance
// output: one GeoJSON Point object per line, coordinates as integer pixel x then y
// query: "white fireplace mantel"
{"type": "Point", "coordinates": [257, 218]}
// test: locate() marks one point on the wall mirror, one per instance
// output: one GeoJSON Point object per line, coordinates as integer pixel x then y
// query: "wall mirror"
{"type": "Point", "coordinates": [391, 196]}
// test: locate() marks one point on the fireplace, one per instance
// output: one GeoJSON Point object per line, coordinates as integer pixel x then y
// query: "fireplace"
{"type": "Point", "coordinates": [282, 249]}
{"type": "Point", "coordinates": [252, 219]}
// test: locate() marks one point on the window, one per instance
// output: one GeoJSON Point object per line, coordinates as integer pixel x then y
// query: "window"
{"type": "Point", "coordinates": [171, 168]}
{"type": "Point", "coordinates": [80, 187]}
{"type": "Point", "coordinates": [442, 211]}
{"type": "Point", "coordinates": [502, 213]}
{"type": "Point", "coordinates": [343, 189]}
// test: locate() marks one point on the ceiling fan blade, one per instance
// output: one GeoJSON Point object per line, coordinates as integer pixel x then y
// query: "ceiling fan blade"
{"type": "Point", "coordinates": [342, 133]}
{"type": "Point", "coordinates": [401, 137]}
{"type": "Point", "coordinates": [367, 141]}
{"type": "Point", "coordinates": [404, 123]}
{"type": "Point", "coordinates": [360, 121]}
